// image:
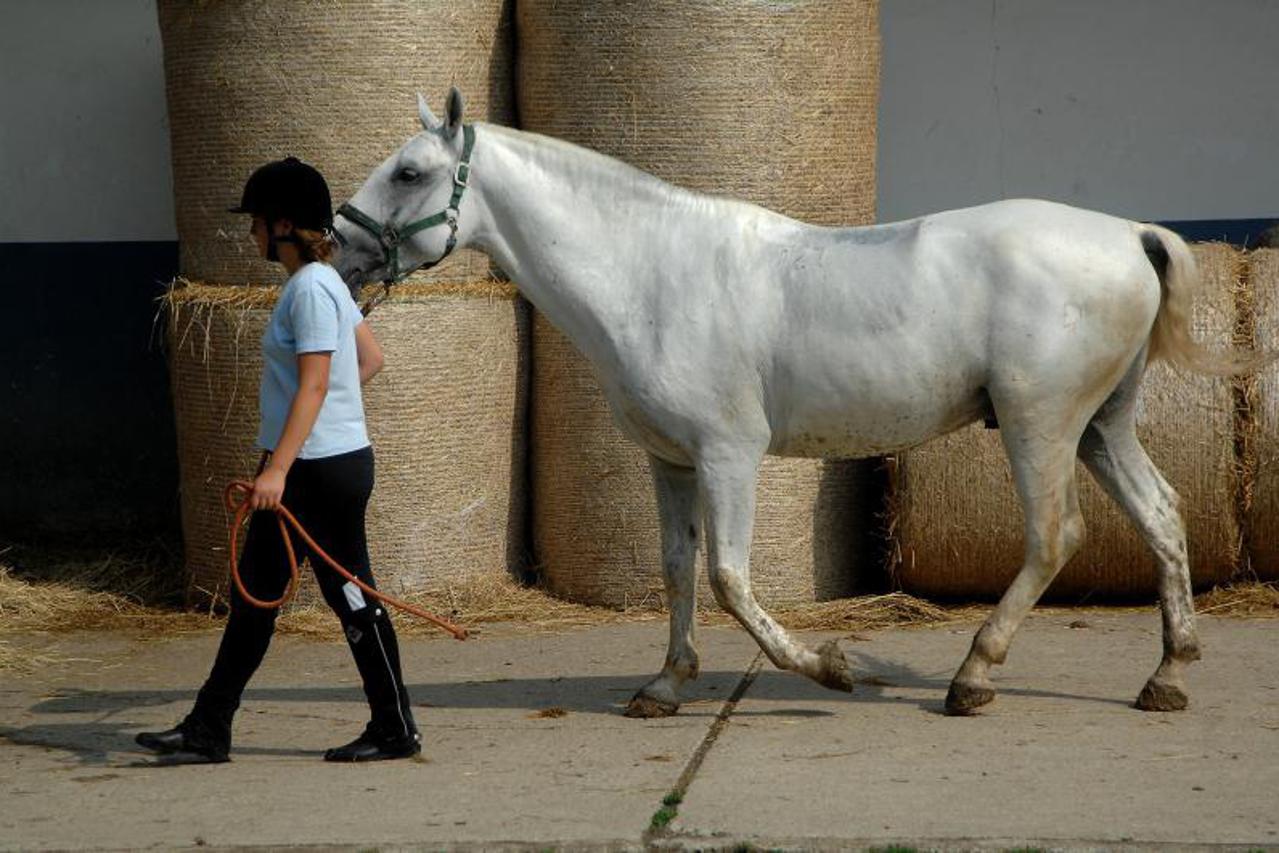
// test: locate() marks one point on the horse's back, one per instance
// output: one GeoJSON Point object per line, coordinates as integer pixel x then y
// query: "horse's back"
{"type": "Point", "coordinates": [912, 328]}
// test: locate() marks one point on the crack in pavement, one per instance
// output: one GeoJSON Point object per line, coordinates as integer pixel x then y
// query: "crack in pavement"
{"type": "Point", "coordinates": [658, 827]}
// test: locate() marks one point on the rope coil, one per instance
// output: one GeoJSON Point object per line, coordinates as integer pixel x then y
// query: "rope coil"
{"type": "Point", "coordinates": [236, 498]}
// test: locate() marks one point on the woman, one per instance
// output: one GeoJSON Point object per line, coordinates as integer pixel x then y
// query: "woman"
{"type": "Point", "coordinates": [317, 352]}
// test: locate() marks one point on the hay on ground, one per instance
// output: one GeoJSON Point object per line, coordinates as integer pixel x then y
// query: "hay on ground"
{"type": "Point", "coordinates": [1240, 600]}
{"type": "Point", "coordinates": [30, 608]}
{"type": "Point", "coordinates": [59, 606]}
{"type": "Point", "coordinates": [473, 602]}
{"type": "Point", "coordinates": [868, 612]}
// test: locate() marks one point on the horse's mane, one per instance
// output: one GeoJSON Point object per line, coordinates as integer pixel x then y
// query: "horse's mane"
{"type": "Point", "coordinates": [550, 152]}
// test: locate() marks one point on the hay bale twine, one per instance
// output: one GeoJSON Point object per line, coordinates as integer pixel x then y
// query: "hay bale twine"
{"type": "Point", "coordinates": [595, 529]}
{"type": "Point", "coordinates": [773, 103]}
{"type": "Point", "coordinates": [1263, 422]}
{"type": "Point", "coordinates": [446, 418]}
{"type": "Point", "coordinates": [253, 80]}
{"type": "Point", "coordinates": [957, 524]}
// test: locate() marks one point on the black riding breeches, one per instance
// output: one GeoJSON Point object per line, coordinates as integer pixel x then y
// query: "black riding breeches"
{"type": "Point", "coordinates": [328, 496]}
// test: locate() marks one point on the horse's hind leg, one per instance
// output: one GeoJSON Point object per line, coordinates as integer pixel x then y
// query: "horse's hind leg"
{"type": "Point", "coordinates": [1043, 467]}
{"type": "Point", "coordinates": [727, 483]}
{"type": "Point", "coordinates": [1117, 460]}
{"type": "Point", "coordinates": [680, 514]}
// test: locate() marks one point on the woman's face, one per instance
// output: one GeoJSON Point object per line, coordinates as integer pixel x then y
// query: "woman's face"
{"type": "Point", "coordinates": [257, 230]}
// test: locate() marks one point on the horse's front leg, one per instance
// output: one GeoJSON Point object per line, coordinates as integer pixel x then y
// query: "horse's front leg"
{"type": "Point", "coordinates": [681, 518]}
{"type": "Point", "coordinates": [727, 483]}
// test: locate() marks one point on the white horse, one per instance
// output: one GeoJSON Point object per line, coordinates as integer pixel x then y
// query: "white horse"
{"type": "Point", "coordinates": [721, 332]}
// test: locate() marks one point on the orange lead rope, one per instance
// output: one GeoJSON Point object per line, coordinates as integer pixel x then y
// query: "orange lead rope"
{"type": "Point", "coordinates": [241, 509]}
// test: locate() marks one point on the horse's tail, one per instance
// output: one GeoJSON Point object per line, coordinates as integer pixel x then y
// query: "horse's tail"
{"type": "Point", "coordinates": [1179, 284]}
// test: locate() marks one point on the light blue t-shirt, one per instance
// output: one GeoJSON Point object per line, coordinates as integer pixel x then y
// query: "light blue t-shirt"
{"type": "Point", "coordinates": [315, 313]}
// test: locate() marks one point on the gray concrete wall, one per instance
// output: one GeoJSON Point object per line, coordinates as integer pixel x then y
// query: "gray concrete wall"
{"type": "Point", "coordinates": [1152, 109]}
{"type": "Point", "coordinates": [1157, 109]}
{"type": "Point", "coordinates": [84, 148]}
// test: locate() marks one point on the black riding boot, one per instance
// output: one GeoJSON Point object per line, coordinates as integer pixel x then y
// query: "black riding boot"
{"type": "Point", "coordinates": [199, 737]}
{"type": "Point", "coordinates": [206, 731]}
{"type": "Point", "coordinates": [391, 732]}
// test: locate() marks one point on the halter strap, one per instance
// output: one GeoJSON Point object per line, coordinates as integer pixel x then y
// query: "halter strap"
{"type": "Point", "coordinates": [390, 237]}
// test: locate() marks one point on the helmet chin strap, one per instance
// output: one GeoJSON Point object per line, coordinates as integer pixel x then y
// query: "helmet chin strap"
{"type": "Point", "coordinates": [273, 240]}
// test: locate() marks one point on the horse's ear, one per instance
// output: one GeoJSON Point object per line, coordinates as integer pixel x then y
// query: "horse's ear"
{"type": "Point", "coordinates": [424, 114]}
{"type": "Point", "coordinates": [453, 109]}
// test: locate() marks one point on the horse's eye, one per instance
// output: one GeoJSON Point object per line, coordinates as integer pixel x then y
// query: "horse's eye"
{"type": "Point", "coordinates": [406, 175]}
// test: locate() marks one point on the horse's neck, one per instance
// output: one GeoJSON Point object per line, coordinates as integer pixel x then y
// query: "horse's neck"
{"type": "Point", "coordinates": [564, 225]}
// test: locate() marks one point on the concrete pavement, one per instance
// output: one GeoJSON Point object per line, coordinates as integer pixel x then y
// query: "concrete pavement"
{"type": "Point", "coordinates": [526, 746]}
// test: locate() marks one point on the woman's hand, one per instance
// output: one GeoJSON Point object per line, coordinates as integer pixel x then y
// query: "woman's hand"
{"type": "Point", "coordinates": [268, 489]}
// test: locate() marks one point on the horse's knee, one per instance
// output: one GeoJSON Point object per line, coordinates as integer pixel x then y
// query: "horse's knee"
{"type": "Point", "coordinates": [1073, 534]}
{"type": "Point", "coordinates": [1058, 539]}
{"type": "Point", "coordinates": [729, 587]}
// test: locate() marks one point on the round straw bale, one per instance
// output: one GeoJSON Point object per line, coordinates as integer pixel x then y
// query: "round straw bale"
{"type": "Point", "coordinates": [957, 523]}
{"type": "Point", "coordinates": [774, 103]}
{"type": "Point", "coordinates": [215, 365]}
{"type": "Point", "coordinates": [595, 528]}
{"type": "Point", "coordinates": [1263, 424]}
{"type": "Point", "coordinates": [447, 419]}
{"type": "Point", "coordinates": [334, 83]}
{"type": "Point", "coordinates": [445, 416]}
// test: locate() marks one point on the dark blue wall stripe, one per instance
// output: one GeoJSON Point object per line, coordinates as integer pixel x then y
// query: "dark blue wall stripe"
{"type": "Point", "coordinates": [1245, 233]}
{"type": "Point", "coordinates": [86, 423]}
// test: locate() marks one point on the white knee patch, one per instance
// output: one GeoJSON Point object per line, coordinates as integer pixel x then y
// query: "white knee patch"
{"type": "Point", "coordinates": [728, 586]}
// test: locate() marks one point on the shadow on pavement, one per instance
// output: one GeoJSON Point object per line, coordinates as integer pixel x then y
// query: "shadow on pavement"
{"type": "Point", "coordinates": [879, 681]}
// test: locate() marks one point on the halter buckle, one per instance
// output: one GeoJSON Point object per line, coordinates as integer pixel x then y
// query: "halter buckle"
{"type": "Point", "coordinates": [389, 238]}
{"type": "Point", "coordinates": [462, 174]}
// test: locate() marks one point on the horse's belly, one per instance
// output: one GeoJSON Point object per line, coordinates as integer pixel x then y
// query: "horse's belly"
{"type": "Point", "coordinates": [870, 425]}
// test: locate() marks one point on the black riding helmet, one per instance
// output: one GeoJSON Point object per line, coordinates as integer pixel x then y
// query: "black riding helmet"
{"type": "Point", "coordinates": [287, 189]}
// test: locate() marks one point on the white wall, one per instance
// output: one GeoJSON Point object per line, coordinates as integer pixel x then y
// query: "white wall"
{"type": "Point", "coordinates": [1151, 109]}
{"type": "Point", "coordinates": [1154, 109]}
{"type": "Point", "coordinates": [84, 148]}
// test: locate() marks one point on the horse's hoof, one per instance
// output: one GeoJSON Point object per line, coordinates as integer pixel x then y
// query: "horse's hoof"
{"type": "Point", "coordinates": [835, 673]}
{"type": "Point", "coordinates": [1161, 696]}
{"type": "Point", "coordinates": [964, 700]}
{"type": "Point", "coordinates": [646, 707]}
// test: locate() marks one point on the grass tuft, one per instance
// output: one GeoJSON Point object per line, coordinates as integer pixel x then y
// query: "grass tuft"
{"type": "Point", "coordinates": [663, 817]}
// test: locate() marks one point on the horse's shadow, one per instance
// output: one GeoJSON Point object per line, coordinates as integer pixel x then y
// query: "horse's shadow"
{"type": "Point", "coordinates": [879, 681]}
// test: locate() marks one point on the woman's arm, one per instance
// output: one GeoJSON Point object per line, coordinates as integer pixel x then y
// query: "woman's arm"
{"type": "Point", "coordinates": [368, 353]}
{"type": "Point", "coordinates": [313, 385]}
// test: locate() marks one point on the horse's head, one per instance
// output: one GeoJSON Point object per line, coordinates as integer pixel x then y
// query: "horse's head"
{"type": "Point", "coordinates": [406, 214]}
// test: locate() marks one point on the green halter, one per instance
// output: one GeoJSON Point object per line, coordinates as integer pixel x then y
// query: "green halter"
{"type": "Point", "coordinates": [390, 237]}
